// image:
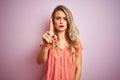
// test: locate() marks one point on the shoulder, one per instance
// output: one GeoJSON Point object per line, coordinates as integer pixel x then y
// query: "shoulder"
{"type": "Point", "coordinates": [80, 47]}
{"type": "Point", "coordinates": [79, 44]}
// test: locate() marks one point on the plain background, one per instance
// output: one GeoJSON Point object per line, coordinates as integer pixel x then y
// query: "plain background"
{"type": "Point", "coordinates": [22, 23]}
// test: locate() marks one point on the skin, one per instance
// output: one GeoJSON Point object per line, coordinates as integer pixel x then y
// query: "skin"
{"type": "Point", "coordinates": [59, 20]}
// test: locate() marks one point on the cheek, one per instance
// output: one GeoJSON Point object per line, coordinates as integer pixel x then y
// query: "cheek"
{"type": "Point", "coordinates": [56, 23]}
{"type": "Point", "coordinates": [66, 22]}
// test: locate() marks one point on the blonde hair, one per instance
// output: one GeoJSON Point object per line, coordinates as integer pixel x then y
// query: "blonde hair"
{"type": "Point", "coordinates": [72, 32]}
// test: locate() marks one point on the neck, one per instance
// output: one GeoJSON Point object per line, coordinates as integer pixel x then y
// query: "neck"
{"type": "Point", "coordinates": [62, 36]}
{"type": "Point", "coordinates": [62, 40]}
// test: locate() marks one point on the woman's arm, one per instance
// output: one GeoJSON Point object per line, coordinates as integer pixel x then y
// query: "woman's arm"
{"type": "Point", "coordinates": [78, 67]}
{"type": "Point", "coordinates": [43, 54]}
{"type": "Point", "coordinates": [48, 38]}
{"type": "Point", "coordinates": [45, 46]}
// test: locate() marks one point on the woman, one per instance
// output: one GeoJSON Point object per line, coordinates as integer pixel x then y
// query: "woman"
{"type": "Point", "coordinates": [60, 48]}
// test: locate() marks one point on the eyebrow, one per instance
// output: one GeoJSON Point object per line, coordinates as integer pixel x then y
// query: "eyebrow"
{"type": "Point", "coordinates": [59, 16]}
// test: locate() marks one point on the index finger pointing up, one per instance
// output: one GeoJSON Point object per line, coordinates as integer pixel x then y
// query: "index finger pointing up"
{"type": "Point", "coordinates": [51, 27]}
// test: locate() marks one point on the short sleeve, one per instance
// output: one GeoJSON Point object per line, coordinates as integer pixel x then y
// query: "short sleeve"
{"type": "Point", "coordinates": [80, 47]}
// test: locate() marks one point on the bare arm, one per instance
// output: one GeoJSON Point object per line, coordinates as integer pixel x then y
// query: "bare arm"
{"type": "Point", "coordinates": [47, 39]}
{"type": "Point", "coordinates": [43, 54]}
{"type": "Point", "coordinates": [78, 67]}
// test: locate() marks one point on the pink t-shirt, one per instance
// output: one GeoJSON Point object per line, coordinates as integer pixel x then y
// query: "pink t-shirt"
{"type": "Point", "coordinates": [60, 65]}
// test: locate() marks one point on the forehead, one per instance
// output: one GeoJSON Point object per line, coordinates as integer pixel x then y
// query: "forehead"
{"type": "Point", "coordinates": [60, 13]}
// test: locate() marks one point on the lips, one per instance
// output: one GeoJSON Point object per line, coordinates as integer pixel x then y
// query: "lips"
{"type": "Point", "coordinates": [61, 26]}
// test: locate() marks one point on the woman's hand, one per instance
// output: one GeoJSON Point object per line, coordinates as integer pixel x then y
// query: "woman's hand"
{"type": "Point", "coordinates": [49, 37]}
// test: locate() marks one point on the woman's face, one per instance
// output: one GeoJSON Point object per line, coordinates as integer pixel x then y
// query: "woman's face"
{"type": "Point", "coordinates": [60, 21]}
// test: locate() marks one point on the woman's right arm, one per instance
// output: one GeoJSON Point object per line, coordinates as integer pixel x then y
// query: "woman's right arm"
{"type": "Point", "coordinates": [48, 38]}
{"type": "Point", "coordinates": [43, 54]}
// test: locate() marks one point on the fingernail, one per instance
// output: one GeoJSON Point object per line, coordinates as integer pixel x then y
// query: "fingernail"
{"type": "Point", "coordinates": [53, 36]}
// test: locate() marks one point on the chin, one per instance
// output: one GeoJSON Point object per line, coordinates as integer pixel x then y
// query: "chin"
{"type": "Point", "coordinates": [61, 30]}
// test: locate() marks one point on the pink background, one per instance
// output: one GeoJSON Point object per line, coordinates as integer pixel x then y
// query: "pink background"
{"type": "Point", "coordinates": [23, 22]}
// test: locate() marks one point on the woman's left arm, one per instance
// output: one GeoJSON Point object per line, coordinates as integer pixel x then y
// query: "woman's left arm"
{"type": "Point", "coordinates": [78, 67]}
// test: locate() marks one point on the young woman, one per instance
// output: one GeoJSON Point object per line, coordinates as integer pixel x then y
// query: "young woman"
{"type": "Point", "coordinates": [60, 48]}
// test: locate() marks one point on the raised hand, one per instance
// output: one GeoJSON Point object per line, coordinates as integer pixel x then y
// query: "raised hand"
{"type": "Point", "coordinates": [51, 27]}
{"type": "Point", "coordinates": [49, 37]}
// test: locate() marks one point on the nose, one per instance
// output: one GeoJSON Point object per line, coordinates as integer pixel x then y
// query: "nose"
{"type": "Point", "coordinates": [61, 21]}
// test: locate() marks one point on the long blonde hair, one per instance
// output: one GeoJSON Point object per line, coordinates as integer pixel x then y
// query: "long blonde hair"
{"type": "Point", "coordinates": [72, 32]}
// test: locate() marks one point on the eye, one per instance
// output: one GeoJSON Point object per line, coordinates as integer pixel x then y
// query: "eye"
{"type": "Point", "coordinates": [65, 18]}
{"type": "Point", "coordinates": [57, 18]}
